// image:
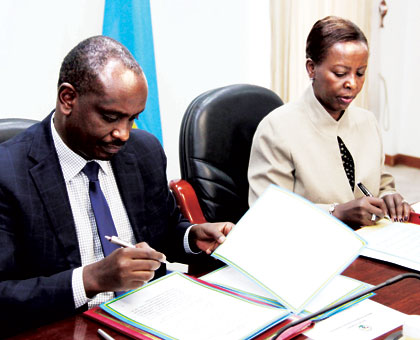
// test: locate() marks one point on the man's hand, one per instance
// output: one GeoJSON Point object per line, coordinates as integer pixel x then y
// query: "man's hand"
{"type": "Point", "coordinates": [208, 236]}
{"type": "Point", "coordinates": [123, 269]}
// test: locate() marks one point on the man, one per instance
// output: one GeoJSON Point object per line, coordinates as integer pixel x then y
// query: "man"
{"type": "Point", "coordinates": [51, 261]}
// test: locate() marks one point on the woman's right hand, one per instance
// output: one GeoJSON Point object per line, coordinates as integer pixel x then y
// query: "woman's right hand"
{"type": "Point", "coordinates": [359, 212]}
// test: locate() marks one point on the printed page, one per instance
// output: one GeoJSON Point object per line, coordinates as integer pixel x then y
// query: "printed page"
{"type": "Point", "coordinates": [364, 321]}
{"type": "Point", "coordinates": [290, 247]}
{"type": "Point", "coordinates": [393, 242]}
{"type": "Point", "coordinates": [178, 307]}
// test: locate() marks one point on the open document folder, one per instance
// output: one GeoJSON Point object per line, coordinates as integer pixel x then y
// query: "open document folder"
{"type": "Point", "coordinates": [179, 307]}
{"type": "Point", "coordinates": [290, 247]}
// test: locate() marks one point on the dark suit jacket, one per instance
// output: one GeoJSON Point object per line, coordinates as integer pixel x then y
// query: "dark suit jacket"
{"type": "Point", "coordinates": [38, 242]}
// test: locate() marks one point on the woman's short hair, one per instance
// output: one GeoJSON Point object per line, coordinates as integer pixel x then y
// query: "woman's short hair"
{"type": "Point", "coordinates": [328, 31]}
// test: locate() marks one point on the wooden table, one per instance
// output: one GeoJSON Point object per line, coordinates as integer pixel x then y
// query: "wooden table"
{"type": "Point", "coordinates": [403, 296]}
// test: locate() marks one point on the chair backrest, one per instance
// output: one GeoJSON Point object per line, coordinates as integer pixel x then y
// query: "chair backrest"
{"type": "Point", "coordinates": [215, 142]}
{"type": "Point", "coordinates": [10, 127]}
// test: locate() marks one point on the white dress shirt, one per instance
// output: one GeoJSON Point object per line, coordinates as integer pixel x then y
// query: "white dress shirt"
{"type": "Point", "coordinates": [77, 185]}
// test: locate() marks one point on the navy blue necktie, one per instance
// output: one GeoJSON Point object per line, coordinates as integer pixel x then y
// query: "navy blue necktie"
{"type": "Point", "coordinates": [100, 208]}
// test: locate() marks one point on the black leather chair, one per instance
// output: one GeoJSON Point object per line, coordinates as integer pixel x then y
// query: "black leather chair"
{"type": "Point", "coordinates": [215, 142]}
{"type": "Point", "coordinates": [10, 127]}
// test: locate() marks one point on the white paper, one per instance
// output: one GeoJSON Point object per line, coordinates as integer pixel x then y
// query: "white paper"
{"type": "Point", "coordinates": [416, 207]}
{"type": "Point", "coordinates": [337, 289]}
{"type": "Point", "coordinates": [393, 242]}
{"type": "Point", "coordinates": [231, 278]}
{"type": "Point", "coordinates": [289, 246]}
{"type": "Point", "coordinates": [180, 308]}
{"type": "Point", "coordinates": [363, 321]}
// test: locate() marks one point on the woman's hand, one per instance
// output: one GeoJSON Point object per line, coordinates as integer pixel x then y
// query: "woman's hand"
{"type": "Point", "coordinates": [398, 209]}
{"type": "Point", "coordinates": [361, 211]}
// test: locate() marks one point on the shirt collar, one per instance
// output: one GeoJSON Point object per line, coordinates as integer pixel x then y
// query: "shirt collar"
{"type": "Point", "coordinates": [71, 163]}
{"type": "Point", "coordinates": [321, 118]}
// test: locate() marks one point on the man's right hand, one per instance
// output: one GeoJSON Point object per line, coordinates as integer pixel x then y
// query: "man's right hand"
{"type": "Point", "coordinates": [122, 270]}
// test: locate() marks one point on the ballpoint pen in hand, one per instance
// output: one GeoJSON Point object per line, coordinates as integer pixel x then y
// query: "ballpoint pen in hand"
{"type": "Point", "coordinates": [367, 193]}
{"type": "Point", "coordinates": [170, 266]}
{"type": "Point", "coordinates": [365, 190]}
{"type": "Point", "coordinates": [116, 240]}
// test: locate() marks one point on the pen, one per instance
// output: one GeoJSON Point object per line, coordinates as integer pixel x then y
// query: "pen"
{"type": "Point", "coordinates": [179, 267]}
{"type": "Point", "coordinates": [104, 334]}
{"type": "Point", "coordinates": [366, 192]}
{"type": "Point", "coordinates": [119, 242]}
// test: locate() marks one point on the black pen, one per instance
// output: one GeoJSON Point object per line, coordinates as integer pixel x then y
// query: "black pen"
{"type": "Point", "coordinates": [365, 190]}
{"type": "Point", "coordinates": [367, 193]}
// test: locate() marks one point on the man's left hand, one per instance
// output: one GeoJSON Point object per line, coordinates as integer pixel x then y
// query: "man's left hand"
{"type": "Point", "coordinates": [208, 236]}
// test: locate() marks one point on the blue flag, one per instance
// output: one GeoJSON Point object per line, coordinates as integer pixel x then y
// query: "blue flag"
{"type": "Point", "coordinates": [130, 23]}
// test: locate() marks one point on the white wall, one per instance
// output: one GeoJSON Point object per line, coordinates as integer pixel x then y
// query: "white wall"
{"type": "Point", "coordinates": [199, 45]}
{"type": "Point", "coordinates": [35, 36]}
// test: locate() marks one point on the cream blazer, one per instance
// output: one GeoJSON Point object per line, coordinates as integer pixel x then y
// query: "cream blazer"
{"type": "Point", "coordinates": [296, 147]}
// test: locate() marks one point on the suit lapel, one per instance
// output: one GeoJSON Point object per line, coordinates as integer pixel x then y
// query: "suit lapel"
{"type": "Point", "coordinates": [49, 181]}
{"type": "Point", "coordinates": [131, 188]}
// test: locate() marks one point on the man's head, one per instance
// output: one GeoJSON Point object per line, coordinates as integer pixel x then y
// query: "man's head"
{"type": "Point", "coordinates": [101, 90]}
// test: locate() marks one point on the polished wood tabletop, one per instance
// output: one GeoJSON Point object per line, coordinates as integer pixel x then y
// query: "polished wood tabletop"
{"type": "Point", "coordinates": [403, 296]}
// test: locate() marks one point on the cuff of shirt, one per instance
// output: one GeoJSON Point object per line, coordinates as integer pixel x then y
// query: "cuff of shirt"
{"type": "Point", "coordinates": [389, 192]}
{"type": "Point", "coordinates": [79, 294]}
{"type": "Point", "coordinates": [187, 243]}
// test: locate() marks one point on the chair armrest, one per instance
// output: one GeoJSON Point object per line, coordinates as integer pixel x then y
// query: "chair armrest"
{"type": "Point", "coordinates": [187, 200]}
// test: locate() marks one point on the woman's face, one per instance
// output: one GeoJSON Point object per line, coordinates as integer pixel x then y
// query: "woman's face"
{"type": "Point", "coordinates": [338, 79]}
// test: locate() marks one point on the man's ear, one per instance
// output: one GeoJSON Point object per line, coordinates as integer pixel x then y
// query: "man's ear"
{"type": "Point", "coordinates": [310, 68]}
{"type": "Point", "coordinates": [66, 97]}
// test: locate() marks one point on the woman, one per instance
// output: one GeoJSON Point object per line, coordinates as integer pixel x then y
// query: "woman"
{"type": "Point", "coordinates": [319, 146]}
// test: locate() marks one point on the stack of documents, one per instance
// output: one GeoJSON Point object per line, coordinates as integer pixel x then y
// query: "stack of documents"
{"type": "Point", "coordinates": [338, 289]}
{"type": "Point", "coordinates": [288, 250]}
{"type": "Point", "coordinates": [393, 242]}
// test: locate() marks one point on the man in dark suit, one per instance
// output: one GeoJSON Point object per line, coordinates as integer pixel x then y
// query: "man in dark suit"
{"type": "Point", "coordinates": [51, 260]}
